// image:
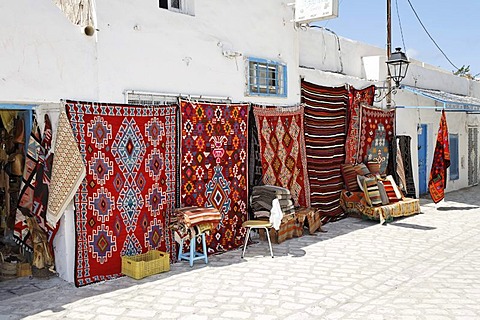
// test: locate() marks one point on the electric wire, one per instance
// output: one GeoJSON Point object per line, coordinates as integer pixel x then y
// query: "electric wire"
{"type": "Point", "coordinates": [431, 38]}
{"type": "Point", "coordinates": [338, 43]}
{"type": "Point", "coordinates": [400, 25]}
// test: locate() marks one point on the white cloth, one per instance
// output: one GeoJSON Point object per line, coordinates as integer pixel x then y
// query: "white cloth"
{"type": "Point", "coordinates": [276, 214]}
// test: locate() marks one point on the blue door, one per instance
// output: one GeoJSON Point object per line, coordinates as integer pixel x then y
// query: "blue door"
{"type": "Point", "coordinates": [422, 159]}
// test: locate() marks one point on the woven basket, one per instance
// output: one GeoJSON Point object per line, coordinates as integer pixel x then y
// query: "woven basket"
{"type": "Point", "coordinates": [24, 269]}
{"type": "Point", "coordinates": [8, 270]}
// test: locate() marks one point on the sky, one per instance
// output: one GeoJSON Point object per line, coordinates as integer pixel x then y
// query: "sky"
{"type": "Point", "coordinates": [454, 25]}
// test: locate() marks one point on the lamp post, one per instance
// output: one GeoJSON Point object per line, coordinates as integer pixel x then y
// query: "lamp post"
{"type": "Point", "coordinates": [397, 66]}
{"type": "Point", "coordinates": [389, 49]}
{"type": "Point", "coordinates": [397, 62]}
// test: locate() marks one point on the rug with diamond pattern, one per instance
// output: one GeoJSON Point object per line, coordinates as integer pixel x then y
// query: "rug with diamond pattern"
{"type": "Point", "coordinates": [282, 150]}
{"type": "Point", "coordinates": [214, 166]}
{"type": "Point", "coordinates": [124, 204]}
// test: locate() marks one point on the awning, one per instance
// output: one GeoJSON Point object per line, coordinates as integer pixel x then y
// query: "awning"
{"type": "Point", "coordinates": [451, 101]}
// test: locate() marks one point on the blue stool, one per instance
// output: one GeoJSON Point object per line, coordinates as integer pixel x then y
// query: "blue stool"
{"type": "Point", "coordinates": [193, 254]}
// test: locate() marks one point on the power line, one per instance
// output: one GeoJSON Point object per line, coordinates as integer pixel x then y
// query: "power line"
{"type": "Point", "coordinates": [400, 24]}
{"type": "Point", "coordinates": [431, 38]}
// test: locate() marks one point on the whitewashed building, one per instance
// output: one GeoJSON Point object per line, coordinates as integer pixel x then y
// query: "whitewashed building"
{"type": "Point", "coordinates": [158, 50]}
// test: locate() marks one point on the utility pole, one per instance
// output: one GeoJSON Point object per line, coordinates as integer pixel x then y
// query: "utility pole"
{"type": "Point", "coordinates": [389, 50]}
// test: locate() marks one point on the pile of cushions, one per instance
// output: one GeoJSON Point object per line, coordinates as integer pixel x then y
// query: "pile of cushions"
{"type": "Point", "coordinates": [262, 197]}
{"type": "Point", "coordinates": [377, 190]}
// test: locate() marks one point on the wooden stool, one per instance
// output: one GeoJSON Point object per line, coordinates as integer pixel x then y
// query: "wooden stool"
{"type": "Point", "coordinates": [193, 254]}
{"type": "Point", "coordinates": [257, 224]}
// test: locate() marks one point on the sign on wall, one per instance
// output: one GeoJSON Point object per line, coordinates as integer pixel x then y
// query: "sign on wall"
{"type": "Point", "coordinates": [313, 10]}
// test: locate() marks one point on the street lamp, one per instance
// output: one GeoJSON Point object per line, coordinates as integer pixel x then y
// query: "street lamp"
{"type": "Point", "coordinates": [397, 61]}
{"type": "Point", "coordinates": [397, 66]}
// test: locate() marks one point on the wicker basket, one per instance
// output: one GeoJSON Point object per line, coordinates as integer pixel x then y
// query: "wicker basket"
{"type": "Point", "coordinates": [146, 264]}
{"type": "Point", "coordinates": [24, 269]}
{"type": "Point", "coordinates": [8, 270]}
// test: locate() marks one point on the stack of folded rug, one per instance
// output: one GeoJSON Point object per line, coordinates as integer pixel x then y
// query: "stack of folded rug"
{"type": "Point", "coordinates": [262, 197]}
{"type": "Point", "coordinates": [190, 221]}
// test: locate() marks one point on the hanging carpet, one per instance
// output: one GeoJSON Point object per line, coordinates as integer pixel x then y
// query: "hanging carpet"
{"type": "Point", "coordinates": [441, 161]}
{"type": "Point", "coordinates": [376, 133]}
{"type": "Point", "coordinates": [123, 205]}
{"type": "Point", "coordinates": [404, 145]}
{"type": "Point", "coordinates": [34, 191]}
{"type": "Point", "coordinates": [325, 134]}
{"type": "Point", "coordinates": [282, 150]}
{"type": "Point", "coordinates": [254, 159]}
{"type": "Point", "coordinates": [68, 171]}
{"type": "Point", "coordinates": [356, 97]}
{"type": "Point", "coordinates": [214, 166]}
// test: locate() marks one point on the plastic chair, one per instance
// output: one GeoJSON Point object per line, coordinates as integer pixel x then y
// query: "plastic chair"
{"type": "Point", "coordinates": [257, 224]}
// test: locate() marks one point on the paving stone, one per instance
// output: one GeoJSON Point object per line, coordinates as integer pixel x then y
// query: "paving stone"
{"type": "Point", "coordinates": [357, 270]}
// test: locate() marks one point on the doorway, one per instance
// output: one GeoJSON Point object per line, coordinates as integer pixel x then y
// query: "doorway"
{"type": "Point", "coordinates": [472, 156]}
{"type": "Point", "coordinates": [422, 143]}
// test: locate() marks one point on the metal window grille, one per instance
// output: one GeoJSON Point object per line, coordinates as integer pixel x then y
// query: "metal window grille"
{"type": "Point", "coordinates": [149, 99]}
{"type": "Point", "coordinates": [266, 78]}
{"type": "Point", "coordinates": [453, 144]}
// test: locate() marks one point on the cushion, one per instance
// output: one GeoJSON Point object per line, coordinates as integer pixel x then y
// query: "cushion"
{"type": "Point", "coordinates": [360, 179]}
{"type": "Point", "coordinates": [370, 189]}
{"type": "Point", "coordinates": [349, 177]}
{"type": "Point", "coordinates": [383, 193]}
{"type": "Point", "coordinates": [373, 166]}
{"type": "Point", "coordinates": [393, 193]}
{"type": "Point", "coordinates": [361, 169]}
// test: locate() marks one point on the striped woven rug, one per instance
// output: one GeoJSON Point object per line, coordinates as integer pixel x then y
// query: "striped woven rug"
{"type": "Point", "coordinates": [325, 134]}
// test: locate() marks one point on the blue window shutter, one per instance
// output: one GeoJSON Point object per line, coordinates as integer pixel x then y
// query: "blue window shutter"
{"type": "Point", "coordinates": [266, 78]}
{"type": "Point", "coordinates": [454, 175]}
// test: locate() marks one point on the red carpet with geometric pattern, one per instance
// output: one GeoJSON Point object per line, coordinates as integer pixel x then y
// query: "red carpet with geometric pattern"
{"type": "Point", "coordinates": [356, 97]}
{"type": "Point", "coordinates": [376, 132]}
{"type": "Point", "coordinates": [282, 150]}
{"type": "Point", "coordinates": [214, 166]}
{"type": "Point", "coordinates": [124, 204]}
{"type": "Point", "coordinates": [441, 161]}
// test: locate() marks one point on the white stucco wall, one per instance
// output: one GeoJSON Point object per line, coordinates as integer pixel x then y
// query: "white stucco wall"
{"type": "Point", "coordinates": [44, 56]}
{"type": "Point", "coordinates": [177, 53]}
{"type": "Point", "coordinates": [148, 49]}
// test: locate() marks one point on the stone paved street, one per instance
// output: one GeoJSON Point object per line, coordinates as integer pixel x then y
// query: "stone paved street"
{"type": "Point", "coordinates": [421, 267]}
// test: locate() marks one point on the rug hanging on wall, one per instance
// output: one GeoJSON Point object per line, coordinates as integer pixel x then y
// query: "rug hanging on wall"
{"type": "Point", "coordinates": [68, 171]}
{"type": "Point", "coordinates": [376, 132]}
{"type": "Point", "coordinates": [214, 166]}
{"type": "Point", "coordinates": [282, 150]}
{"type": "Point", "coordinates": [356, 97]}
{"type": "Point", "coordinates": [123, 205]}
{"type": "Point", "coordinates": [325, 134]}
{"type": "Point", "coordinates": [404, 147]}
{"type": "Point", "coordinates": [441, 161]}
{"type": "Point", "coordinates": [255, 173]}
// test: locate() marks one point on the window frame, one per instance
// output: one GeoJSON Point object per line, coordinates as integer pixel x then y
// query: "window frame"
{"type": "Point", "coordinates": [280, 80]}
{"type": "Point", "coordinates": [185, 7]}
{"type": "Point", "coordinates": [453, 170]}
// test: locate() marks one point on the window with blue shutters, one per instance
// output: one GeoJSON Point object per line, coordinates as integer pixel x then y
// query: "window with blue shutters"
{"type": "Point", "coordinates": [453, 144]}
{"type": "Point", "coordinates": [266, 78]}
